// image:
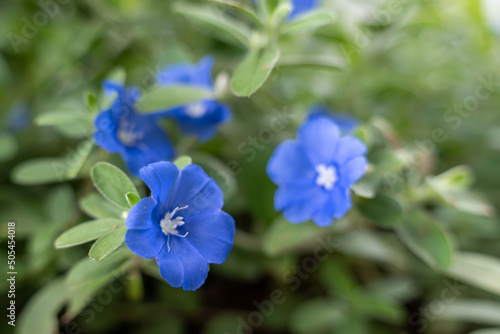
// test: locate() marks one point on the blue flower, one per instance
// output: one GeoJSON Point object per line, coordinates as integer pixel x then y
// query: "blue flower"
{"type": "Point", "coordinates": [300, 7]}
{"type": "Point", "coordinates": [203, 117]}
{"type": "Point", "coordinates": [314, 173]}
{"type": "Point", "coordinates": [138, 138]}
{"type": "Point", "coordinates": [346, 122]}
{"type": "Point", "coordinates": [181, 225]}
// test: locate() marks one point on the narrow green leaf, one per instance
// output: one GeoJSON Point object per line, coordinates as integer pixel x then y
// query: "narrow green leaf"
{"type": "Point", "coordinates": [106, 245]}
{"type": "Point", "coordinates": [254, 71]}
{"type": "Point", "coordinates": [60, 204]}
{"type": "Point", "coordinates": [283, 236]}
{"type": "Point", "coordinates": [82, 296]}
{"type": "Point", "coordinates": [87, 231]}
{"type": "Point", "coordinates": [308, 22]}
{"type": "Point", "coordinates": [479, 270]}
{"type": "Point", "coordinates": [183, 161]}
{"type": "Point", "coordinates": [318, 315]}
{"type": "Point", "coordinates": [88, 270]}
{"type": "Point", "coordinates": [310, 61]}
{"type": "Point", "coordinates": [424, 237]}
{"type": "Point", "coordinates": [96, 206]}
{"type": "Point", "coordinates": [113, 184]}
{"type": "Point", "coordinates": [8, 146]}
{"type": "Point", "coordinates": [240, 8]}
{"type": "Point", "coordinates": [39, 315]}
{"type": "Point", "coordinates": [486, 331]}
{"type": "Point", "coordinates": [382, 210]}
{"type": "Point", "coordinates": [132, 199]}
{"type": "Point", "coordinates": [40, 171]}
{"type": "Point", "coordinates": [216, 24]}
{"type": "Point", "coordinates": [483, 312]}
{"type": "Point", "coordinates": [163, 98]}
{"type": "Point", "coordinates": [63, 117]}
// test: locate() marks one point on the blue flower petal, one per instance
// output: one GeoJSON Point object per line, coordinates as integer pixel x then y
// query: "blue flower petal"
{"type": "Point", "coordinates": [341, 202]}
{"type": "Point", "coordinates": [303, 210]}
{"type": "Point", "coordinates": [353, 170]}
{"type": "Point", "coordinates": [183, 265]}
{"type": "Point", "coordinates": [319, 137]}
{"type": "Point", "coordinates": [348, 147]}
{"type": "Point", "coordinates": [197, 190]}
{"type": "Point", "coordinates": [140, 216]}
{"type": "Point", "coordinates": [136, 241]}
{"type": "Point", "coordinates": [290, 164]}
{"type": "Point", "coordinates": [212, 235]}
{"type": "Point", "coordinates": [198, 75]}
{"type": "Point", "coordinates": [159, 177]}
{"type": "Point", "coordinates": [171, 268]}
{"type": "Point", "coordinates": [105, 133]}
{"type": "Point", "coordinates": [302, 6]}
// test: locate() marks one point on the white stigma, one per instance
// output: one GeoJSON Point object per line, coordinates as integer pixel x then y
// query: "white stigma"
{"type": "Point", "coordinates": [196, 110]}
{"type": "Point", "coordinates": [327, 176]}
{"type": "Point", "coordinates": [169, 226]}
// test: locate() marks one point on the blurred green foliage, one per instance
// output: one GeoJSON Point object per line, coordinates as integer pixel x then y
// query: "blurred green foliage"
{"type": "Point", "coordinates": [419, 252]}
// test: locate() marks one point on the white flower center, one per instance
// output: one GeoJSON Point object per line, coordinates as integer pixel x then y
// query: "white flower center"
{"type": "Point", "coordinates": [169, 226]}
{"type": "Point", "coordinates": [196, 110]}
{"type": "Point", "coordinates": [327, 176]}
{"type": "Point", "coordinates": [127, 134]}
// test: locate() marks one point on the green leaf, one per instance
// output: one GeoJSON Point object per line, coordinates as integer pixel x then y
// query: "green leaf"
{"type": "Point", "coordinates": [106, 245]}
{"type": "Point", "coordinates": [240, 8]}
{"type": "Point", "coordinates": [40, 171]}
{"type": "Point", "coordinates": [82, 296]}
{"type": "Point", "coordinates": [8, 146]}
{"type": "Point", "coordinates": [459, 177]}
{"type": "Point", "coordinates": [88, 270]}
{"type": "Point", "coordinates": [424, 237]}
{"type": "Point", "coordinates": [317, 316]}
{"type": "Point", "coordinates": [96, 206]}
{"type": "Point", "coordinates": [283, 236]}
{"type": "Point", "coordinates": [254, 71]}
{"type": "Point", "coordinates": [113, 184]}
{"type": "Point", "coordinates": [308, 22]}
{"type": "Point", "coordinates": [309, 61]}
{"type": "Point", "coordinates": [216, 24]}
{"type": "Point", "coordinates": [49, 170]}
{"type": "Point", "coordinates": [383, 210]}
{"type": "Point", "coordinates": [163, 98]}
{"type": "Point", "coordinates": [487, 331]}
{"type": "Point", "coordinates": [39, 315]}
{"type": "Point", "coordinates": [132, 199]}
{"type": "Point", "coordinates": [483, 312]}
{"type": "Point", "coordinates": [63, 117]}
{"type": "Point", "coordinates": [87, 231]}
{"type": "Point", "coordinates": [60, 204]}
{"type": "Point", "coordinates": [183, 161]}
{"type": "Point", "coordinates": [479, 270]}
{"type": "Point", "coordinates": [382, 309]}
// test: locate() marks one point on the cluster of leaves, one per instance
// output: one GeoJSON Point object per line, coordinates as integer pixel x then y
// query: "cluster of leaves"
{"type": "Point", "coordinates": [418, 221]}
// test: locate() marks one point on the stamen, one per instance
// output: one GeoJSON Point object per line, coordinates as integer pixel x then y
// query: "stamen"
{"type": "Point", "coordinates": [327, 176]}
{"type": "Point", "coordinates": [127, 133]}
{"type": "Point", "coordinates": [169, 226]}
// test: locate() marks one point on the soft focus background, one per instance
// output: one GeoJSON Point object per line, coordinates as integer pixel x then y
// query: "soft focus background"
{"type": "Point", "coordinates": [422, 77]}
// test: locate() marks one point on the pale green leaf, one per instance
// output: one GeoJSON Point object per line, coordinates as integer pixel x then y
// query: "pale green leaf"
{"type": "Point", "coordinates": [96, 206]}
{"type": "Point", "coordinates": [308, 22]}
{"type": "Point", "coordinates": [240, 8]}
{"type": "Point", "coordinates": [483, 312]}
{"type": "Point", "coordinates": [479, 270]}
{"type": "Point", "coordinates": [164, 98]}
{"type": "Point", "coordinates": [254, 71]}
{"type": "Point", "coordinates": [41, 171]}
{"type": "Point", "coordinates": [319, 62]}
{"type": "Point", "coordinates": [423, 235]}
{"type": "Point", "coordinates": [215, 24]}
{"type": "Point", "coordinates": [88, 231]}
{"type": "Point", "coordinates": [8, 146]}
{"type": "Point", "coordinates": [113, 184]}
{"type": "Point", "coordinates": [183, 161]}
{"type": "Point", "coordinates": [106, 245]}
{"type": "Point", "coordinates": [383, 210]}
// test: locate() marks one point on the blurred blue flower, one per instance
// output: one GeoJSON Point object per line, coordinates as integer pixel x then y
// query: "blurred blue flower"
{"type": "Point", "coordinates": [300, 6]}
{"type": "Point", "coordinates": [18, 117]}
{"type": "Point", "coordinates": [314, 173]}
{"type": "Point", "coordinates": [138, 138]}
{"type": "Point", "coordinates": [181, 224]}
{"type": "Point", "coordinates": [346, 122]}
{"type": "Point", "coordinates": [203, 117]}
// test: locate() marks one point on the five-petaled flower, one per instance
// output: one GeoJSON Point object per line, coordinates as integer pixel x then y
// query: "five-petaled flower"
{"type": "Point", "coordinates": [314, 173]}
{"type": "Point", "coordinates": [181, 224]}
{"type": "Point", "coordinates": [138, 138]}
{"type": "Point", "coordinates": [346, 122]}
{"type": "Point", "coordinates": [200, 118]}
